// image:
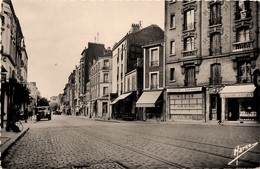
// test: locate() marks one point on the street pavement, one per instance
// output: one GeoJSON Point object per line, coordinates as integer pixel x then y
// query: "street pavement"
{"type": "Point", "coordinates": [77, 142]}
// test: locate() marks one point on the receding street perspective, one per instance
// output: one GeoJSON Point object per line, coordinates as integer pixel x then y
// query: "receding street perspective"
{"type": "Point", "coordinates": [160, 84]}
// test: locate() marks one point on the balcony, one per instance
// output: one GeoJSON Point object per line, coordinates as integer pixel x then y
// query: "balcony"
{"type": "Point", "coordinates": [154, 63]}
{"type": "Point", "coordinates": [189, 53]}
{"type": "Point", "coordinates": [241, 46]}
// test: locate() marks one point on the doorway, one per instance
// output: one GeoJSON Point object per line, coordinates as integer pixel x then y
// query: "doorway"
{"type": "Point", "coordinates": [215, 107]}
{"type": "Point", "coordinates": [233, 109]}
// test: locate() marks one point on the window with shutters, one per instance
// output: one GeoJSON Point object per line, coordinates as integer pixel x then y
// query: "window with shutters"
{"type": "Point", "coordinates": [190, 76]}
{"type": "Point", "coordinates": [215, 46]}
{"type": "Point", "coordinates": [216, 78]}
{"type": "Point", "coordinates": [215, 11]}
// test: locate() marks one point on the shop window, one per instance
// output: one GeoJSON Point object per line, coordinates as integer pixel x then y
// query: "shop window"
{"type": "Point", "coordinates": [243, 10]}
{"type": "Point", "coordinates": [190, 76]}
{"type": "Point", "coordinates": [244, 71]}
{"type": "Point", "coordinates": [189, 20]}
{"type": "Point", "coordinates": [247, 110]}
{"type": "Point", "coordinates": [215, 46]}
{"type": "Point", "coordinates": [215, 17]}
{"type": "Point", "coordinates": [215, 74]}
{"type": "Point", "coordinates": [189, 43]}
{"type": "Point", "coordinates": [243, 34]}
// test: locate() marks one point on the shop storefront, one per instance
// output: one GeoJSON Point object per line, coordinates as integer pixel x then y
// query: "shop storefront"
{"type": "Point", "coordinates": [123, 107]}
{"type": "Point", "coordinates": [152, 104]}
{"type": "Point", "coordinates": [185, 103]}
{"type": "Point", "coordinates": [238, 103]}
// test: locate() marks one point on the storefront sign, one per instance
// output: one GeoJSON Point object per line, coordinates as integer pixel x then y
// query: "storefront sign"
{"type": "Point", "coordinates": [236, 95]}
{"type": "Point", "coordinates": [241, 150]}
{"type": "Point", "coordinates": [194, 89]}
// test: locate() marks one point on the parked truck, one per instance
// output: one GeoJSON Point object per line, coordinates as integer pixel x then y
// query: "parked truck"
{"type": "Point", "coordinates": [43, 112]}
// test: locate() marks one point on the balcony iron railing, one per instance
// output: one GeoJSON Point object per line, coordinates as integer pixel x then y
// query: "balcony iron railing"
{"type": "Point", "coordinates": [240, 46]}
{"type": "Point", "coordinates": [189, 53]}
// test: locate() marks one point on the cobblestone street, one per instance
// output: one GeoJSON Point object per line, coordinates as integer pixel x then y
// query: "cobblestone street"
{"type": "Point", "coordinates": [71, 142]}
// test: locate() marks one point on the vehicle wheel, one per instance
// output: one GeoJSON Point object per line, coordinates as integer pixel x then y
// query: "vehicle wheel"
{"type": "Point", "coordinates": [49, 118]}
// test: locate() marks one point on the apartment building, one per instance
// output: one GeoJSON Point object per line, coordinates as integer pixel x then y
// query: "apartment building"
{"type": "Point", "coordinates": [128, 56]}
{"type": "Point", "coordinates": [211, 51]}
{"type": "Point", "coordinates": [152, 98]}
{"type": "Point", "coordinates": [14, 92]}
{"type": "Point", "coordinates": [100, 75]}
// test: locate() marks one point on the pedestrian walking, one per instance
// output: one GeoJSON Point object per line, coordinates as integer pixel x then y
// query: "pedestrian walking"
{"type": "Point", "coordinates": [25, 115]}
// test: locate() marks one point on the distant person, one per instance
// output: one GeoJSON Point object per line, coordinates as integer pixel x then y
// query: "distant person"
{"type": "Point", "coordinates": [25, 115]}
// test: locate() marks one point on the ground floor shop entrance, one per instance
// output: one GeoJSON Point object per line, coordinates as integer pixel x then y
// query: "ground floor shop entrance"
{"type": "Point", "coordinates": [152, 104]}
{"type": "Point", "coordinates": [215, 107]}
{"type": "Point", "coordinates": [238, 103]}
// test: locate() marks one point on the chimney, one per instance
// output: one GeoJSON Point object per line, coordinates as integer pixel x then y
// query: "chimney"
{"type": "Point", "coordinates": [134, 28]}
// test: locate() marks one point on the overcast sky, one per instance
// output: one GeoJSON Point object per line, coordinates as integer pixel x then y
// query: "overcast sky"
{"type": "Point", "coordinates": [57, 31]}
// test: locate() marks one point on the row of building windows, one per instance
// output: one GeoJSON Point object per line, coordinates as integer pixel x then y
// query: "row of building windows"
{"type": "Point", "coordinates": [96, 93]}
{"type": "Point", "coordinates": [97, 67]}
{"type": "Point", "coordinates": [242, 33]}
{"type": "Point", "coordinates": [244, 74]}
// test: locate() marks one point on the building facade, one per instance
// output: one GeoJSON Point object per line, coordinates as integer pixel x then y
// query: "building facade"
{"type": "Point", "coordinates": [127, 56]}
{"type": "Point", "coordinates": [152, 98]}
{"type": "Point", "coordinates": [100, 75]}
{"type": "Point", "coordinates": [14, 92]}
{"type": "Point", "coordinates": [211, 51]}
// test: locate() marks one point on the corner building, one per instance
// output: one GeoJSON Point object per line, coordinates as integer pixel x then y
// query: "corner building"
{"type": "Point", "coordinates": [211, 51]}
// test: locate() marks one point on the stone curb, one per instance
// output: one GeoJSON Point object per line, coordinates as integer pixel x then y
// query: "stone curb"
{"type": "Point", "coordinates": [11, 142]}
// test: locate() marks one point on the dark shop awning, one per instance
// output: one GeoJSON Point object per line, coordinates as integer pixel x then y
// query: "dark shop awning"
{"type": "Point", "coordinates": [123, 96]}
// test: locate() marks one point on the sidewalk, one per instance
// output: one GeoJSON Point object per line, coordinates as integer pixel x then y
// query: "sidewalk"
{"type": "Point", "coordinates": [8, 139]}
{"type": "Point", "coordinates": [188, 122]}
